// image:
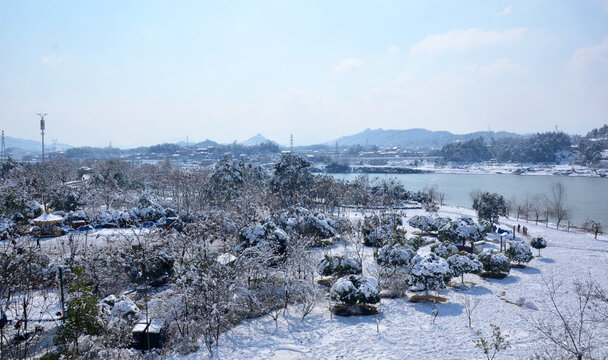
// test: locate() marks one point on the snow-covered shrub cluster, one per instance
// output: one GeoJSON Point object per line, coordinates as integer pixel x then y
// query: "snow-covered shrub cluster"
{"type": "Point", "coordinates": [133, 217]}
{"type": "Point", "coordinates": [519, 252]}
{"type": "Point", "coordinates": [444, 251]}
{"type": "Point", "coordinates": [355, 289]}
{"type": "Point", "coordinates": [339, 266]}
{"type": "Point", "coordinates": [427, 223]}
{"type": "Point", "coordinates": [119, 307]}
{"type": "Point", "coordinates": [264, 234]}
{"type": "Point", "coordinates": [305, 222]}
{"type": "Point", "coordinates": [396, 255]}
{"type": "Point", "coordinates": [7, 228]}
{"type": "Point", "coordinates": [380, 230]}
{"type": "Point", "coordinates": [463, 262]}
{"type": "Point", "coordinates": [430, 272]}
{"type": "Point", "coordinates": [71, 216]}
{"type": "Point", "coordinates": [463, 229]}
{"type": "Point", "coordinates": [228, 176]}
{"type": "Point", "coordinates": [495, 263]}
{"type": "Point", "coordinates": [158, 263]}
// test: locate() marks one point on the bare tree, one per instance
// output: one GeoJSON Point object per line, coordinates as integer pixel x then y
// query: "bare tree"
{"type": "Point", "coordinates": [469, 306]}
{"type": "Point", "coordinates": [571, 327]}
{"type": "Point", "coordinates": [557, 203]}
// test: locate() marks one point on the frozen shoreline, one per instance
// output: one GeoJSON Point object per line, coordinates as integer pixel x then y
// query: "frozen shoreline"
{"type": "Point", "coordinates": [484, 169]}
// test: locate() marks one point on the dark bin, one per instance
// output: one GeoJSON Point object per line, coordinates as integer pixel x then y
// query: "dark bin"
{"type": "Point", "coordinates": [148, 335]}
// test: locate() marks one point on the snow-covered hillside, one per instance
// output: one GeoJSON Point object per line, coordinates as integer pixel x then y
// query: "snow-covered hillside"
{"type": "Point", "coordinates": [406, 329]}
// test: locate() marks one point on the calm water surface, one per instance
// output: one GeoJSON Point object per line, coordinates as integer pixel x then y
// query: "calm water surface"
{"type": "Point", "coordinates": [587, 197]}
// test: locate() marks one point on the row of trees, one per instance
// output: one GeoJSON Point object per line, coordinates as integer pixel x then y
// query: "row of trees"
{"type": "Point", "coordinates": [549, 147]}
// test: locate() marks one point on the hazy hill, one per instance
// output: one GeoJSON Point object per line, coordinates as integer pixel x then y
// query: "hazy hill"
{"type": "Point", "coordinates": [31, 145]}
{"type": "Point", "coordinates": [255, 140]}
{"type": "Point", "coordinates": [414, 138]}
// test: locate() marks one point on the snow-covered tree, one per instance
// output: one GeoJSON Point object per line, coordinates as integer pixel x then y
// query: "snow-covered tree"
{"type": "Point", "coordinates": [379, 230]}
{"type": "Point", "coordinates": [519, 252]}
{"type": "Point", "coordinates": [267, 233]}
{"type": "Point", "coordinates": [291, 179]}
{"type": "Point", "coordinates": [396, 255]}
{"type": "Point", "coordinates": [464, 262]}
{"type": "Point", "coordinates": [489, 206]}
{"type": "Point", "coordinates": [339, 266]}
{"type": "Point", "coordinates": [431, 272]}
{"type": "Point", "coordinates": [444, 251]}
{"type": "Point", "coordinates": [427, 223]}
{"type": "Point", "coordinates": [538, 243]}
{"type": "Point", "coordinates": [495, 263]}
{"type": "Point", "coordinates": [305, 222]}
{"type": "Point", "coordinates": [463, 229]}
{"type": "Point", "coordinates": [355, 289]}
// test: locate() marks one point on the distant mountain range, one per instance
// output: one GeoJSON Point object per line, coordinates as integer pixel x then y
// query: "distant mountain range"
{"type": "Point", "coordinates": [414, 138]}
{"type": "Point", "coordinates": [32, 145]}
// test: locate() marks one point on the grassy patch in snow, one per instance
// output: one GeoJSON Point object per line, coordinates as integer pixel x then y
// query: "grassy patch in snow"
{"type": "Point", "coordinates": [431, 298]}
{"type": "Point", "coordinates": [354, 310]}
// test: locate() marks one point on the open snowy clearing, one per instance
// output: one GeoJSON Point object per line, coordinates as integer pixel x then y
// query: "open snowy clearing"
{"type": "Point", "coordinates": [406, 330]}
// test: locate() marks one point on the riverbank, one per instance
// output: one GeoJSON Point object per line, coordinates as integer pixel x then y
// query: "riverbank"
{"type": "Point", "coordinates": [478, 169]}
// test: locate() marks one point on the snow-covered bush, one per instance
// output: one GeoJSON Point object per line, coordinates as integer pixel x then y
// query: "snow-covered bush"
{"type": "Point", "coordinates": [538, 243]}
{"type": "Point", "coordinates": [339, 266]}
{"type": "Point", "coordinates": [76, 215]}
{"type": "Point", "coordinates": [519, 252]}
{"type": "Point", "coordinates": [378, 231]}
{"type": "Point", "coordinates": [120, 307]}
{"type": "Point", "coordinates": [398, 256]}
{"type": "Point", "coordinates": [430, 272]}
{"type": "Point", "coordinates": [304, 222]}
{"type": "Point", "coordinates": [462, 230]}
{"type": "Point", "coordinates": [158, 265]}
{"type": "Point", "coordinates": [463, 262]}
{"type": "Point", "coordinates": [355, 289]}
{"type": "Point", "coordinates": [415, 242]}
{"type": "Point", "coordinates": [495, 264]}
{"type": "Point", "coordinates": [444, 251]}
{"type": "Point", "coordinates": [267, 233]}
{"type": "Point", "coordinates": [427, 223]}
{"type": "Point", "coordinates": [7, 227]}
{"type": "Point", "coordinates": [291, 179]}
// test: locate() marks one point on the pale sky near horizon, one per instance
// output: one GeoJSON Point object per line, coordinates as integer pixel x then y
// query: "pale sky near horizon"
{"type": "Point", "coordinates": [145, 72]}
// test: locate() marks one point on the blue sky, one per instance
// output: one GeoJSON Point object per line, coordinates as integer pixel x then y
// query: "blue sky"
{"type": "Point", "coordinates": [143, 72]}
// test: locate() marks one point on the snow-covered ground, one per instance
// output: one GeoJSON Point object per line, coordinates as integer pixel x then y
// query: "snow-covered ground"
{"type": "Point", "coordinates": [406, 330]}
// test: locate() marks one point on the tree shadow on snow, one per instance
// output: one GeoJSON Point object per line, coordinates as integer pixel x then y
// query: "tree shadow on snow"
{"type": "Point", "coordinates": [475, 290]}
{"type": "Point", "coordinates": [445, 309]}
{"type": "Point", "coordinates": [511, 279]}
{"type": "Point", "coordinates": [526, 270]}
{"type": "Point", "coordinates": [547, 260]}
{"type": "Point", "coordinates": [354, 320]}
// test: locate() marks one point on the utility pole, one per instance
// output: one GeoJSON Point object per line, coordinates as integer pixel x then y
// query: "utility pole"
{"type": "Point", "coordinates": [291, 140]}
{"type": "Point", "coordinates": [3, 155]}
{"type": "Point", "coordinates": [42, 127]}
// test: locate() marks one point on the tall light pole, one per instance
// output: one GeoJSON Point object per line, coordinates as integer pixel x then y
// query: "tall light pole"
{"type": "Point", "coordinates": [42, 115]}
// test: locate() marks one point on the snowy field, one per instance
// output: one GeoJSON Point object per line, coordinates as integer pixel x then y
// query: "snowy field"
{"type": "Point", "coordinates": [406, 330]}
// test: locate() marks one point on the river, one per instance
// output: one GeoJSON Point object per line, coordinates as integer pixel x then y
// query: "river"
{"type": "Point", "coordinates": [586, 197]}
